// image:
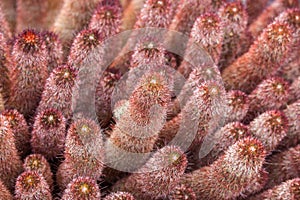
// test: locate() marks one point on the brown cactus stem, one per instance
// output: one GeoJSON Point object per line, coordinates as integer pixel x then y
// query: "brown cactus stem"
{"type": "Point", "coordinates": [9, 8]}
{"type": "Point", "coordinates": [262, 60]}
{"type": "Point", "coordinates": [38, 163]}
{"type": "Point", "coordinates": [6, 28]}
{"type": "Point", "coordinates": [182, 192]}
{"type": "Point", "coordinates": [32, 185]}
{"type": "Point", "coordinates": [294, 90]}
{"type": "Point", "coordinates": [11, 164]}
{"type": "Point", "coordinates": [238, 105]}
{"type": "Point", "coordinates": [283, 166]}
{"type": "Point", "coordinates": [254, 8]}
{"type": "Point", "coordinates": [268, 15]}
{"type": "Point", "coordinates": [29, 72]}
{"type": "Point", "coordinates": [20, 131]}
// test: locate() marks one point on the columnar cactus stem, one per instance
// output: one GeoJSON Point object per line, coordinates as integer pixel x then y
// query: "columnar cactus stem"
{"type": "Point", "coordinates": [5, 29]}
{"type": "Point", "coordinates": [11, 164]}
{"type": "Point", "coordinates": [48, 134]}
{"type": "Point", "coordinates": [164, 168]}
{"type": "Point", "coordinates": [32, 185]}
{"type": "Point", "coordinates": [38, 163]}
{"type": "Point", "coordinates": [8, 7]}
{"type": "Point", "coordinates": [182, 192]}
{"type": "Point", "coordinates": [119, 196]}
{"type": "Point", "coordinates": [54, 47]}
{"type": "Point", "coordinates": [238, 105]}
{"type": "Point", "coordinates": [254, 8]}
{"type": "Point", "coordinates": [58, 91]}
{"type": "Point", "coordinates": [283, 166]}
{"type": "Point", "coordinates": [20, 130]}
{"type": "Point", "coordinates": [267, 16]}
{"type": "Point", "coordinates": [286, 190]}
{"type": "Point", "coordinates": [272, 93]}
{"type": "Point", "coordinates": [5, 67]}
{"type": "Point", "coordinates": [270, 128]}
{"type": "Point", "coordinates": [4, 192]}
{"type": "Point", "coordinates": [84, 152]}
{"type": "Point", "coordinates": [232, 174]}
{"type": "Point", "coordinates": [69, 21]}
{"type": "Point", "coordinates": [82, 188]}
{"type": "Point", "coordinates": [29, 72]}
{"type": "Point", "coordinates": [262, 60]}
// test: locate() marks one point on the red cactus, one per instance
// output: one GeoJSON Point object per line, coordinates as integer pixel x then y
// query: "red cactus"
{"type": "Point", "coordinates": [38, 163]}
{"type": "Point", "coordinates": [84, 152]}
{"type": "Point", "coordinates": [238, 105]}
{"type": "Point", "coordinates": [295, 90]}
{"type": "Point", "coordinates": [272, 93]}
{"type": "Point", "coordinates": [82, 188]}
{"type": "Point", "coordinates": [182, 192]}
{"type": "Point", "coordinates": [68, 22]}
{"type": "Point", "coordinates": [107, 18]}
{"type": "Point", "coordinates": [236, 39]}
{"type": "Point", "coordinates": [232, 174]}
{"type": "Point", "coordinates": [5, 28]}
{"type": "Point", "coordinates": [4, 192]}
{"type": "Point", "coordinates": [11, 164]}
{"type": "Point", "coordinates": [164, 168]}
{"type": "Point", "coordinates": [283, 166]}
{"type": "Point", "coordinates": [32, 185]}
{"type": "Point", "coordinates": [119, 196]}
{"type": "Point", "coordinates": [267, 16]}
{"type": "Point", "coordinates": [48, 134]}
{"type": "Point", "coordinates": [270, 128]}
{"type": "Point", "coordinates": [29, 72]}
{"type": "Point", "coordinates": [262, 60]}
{"type": "Point", "coordinates": [58, 91]}
{"type": "Point", "coordinates": [54, 47]}
{"type": "Point", "coordinates": [20, 130]}
{"type": "Point", "coordinates": [254, 8]}
{"type": "Point", "coordinates": [286, 190]}
{"type": "Point", "coordinates": [5, 66]}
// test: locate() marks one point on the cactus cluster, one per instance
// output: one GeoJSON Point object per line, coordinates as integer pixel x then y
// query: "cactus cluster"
{"type": "Point", "coordinates": [149, 99]}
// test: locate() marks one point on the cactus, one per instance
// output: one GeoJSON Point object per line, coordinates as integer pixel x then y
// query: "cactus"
{"type": "Point", "coordinates": [48, 134]}
{"type": "Point", "coordinates": [82, 188]}
{"type": "Point", "coordinates": [119, 196]}
{"type": "Point", "coordinates": [4, 192]}
{"type": "Point", "coordinates": [20, 130]}
{"type": "Point", "coordinates": [32, 185]}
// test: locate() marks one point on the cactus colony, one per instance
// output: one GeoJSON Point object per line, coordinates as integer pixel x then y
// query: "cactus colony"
{"type": "Point", "coordinates": [229, 130]}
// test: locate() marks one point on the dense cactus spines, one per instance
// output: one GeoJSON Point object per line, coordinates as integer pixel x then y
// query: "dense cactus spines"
{"type": "Point", "coordinates": [235, 38]}
{"type": "Point", "coordinates": [84, 152]}
{"type": "Point", "coordinates": [164, 168]}
{"type": "Point", "coordinates": [48, 134]}
{"type": "Point", "coordinates": [5, 66]}
{"type": "Point", "coordinates": [32, 185]}
{"type": "Point", "coordinates": [268, 15]}
{"type": "Point", "coordinates": [20, 130]}
{"type": "Point", "coordinates": [283, 166]}
{"type": "Point", "coordinates": [107, 18]}
{"type": "Point", "coordinates": [38, 163]}
{"type": "Point", "coordinates": [82, 188]}
{"type": "Point", "coordinates": [29, 72]}
{"type": "Point", "coordinates": [232, 174]}
{"type": "Point", "coordinates": [238, 105]}
{"type": "Point", "coordinates": [4, 192]}
{"type": "Point", "coordinates": [286, 190]}
{"type": "Point", "coordinates": [262, 60]}
{"type": "Point", "coordinates": [5, 28]}
{"type": "Point", "coordinates": [119, 196]}
{"type": "Point", "coordinates": [54, 47]}
{"type": "Point", "coordinates": [69, 21]}
{"type": "Point", "coordinates": [58, 91]}
{"type": "Point", "coordinates": [182, 192]}
{"type": "Point", "coordinates": [225, 137]}
{"type": "Point", "coordinates": [11, 164]}
{"type": "Point", "coordinates": [272, 93]}
{"type": "Point", "coordinates": [270, 128]}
